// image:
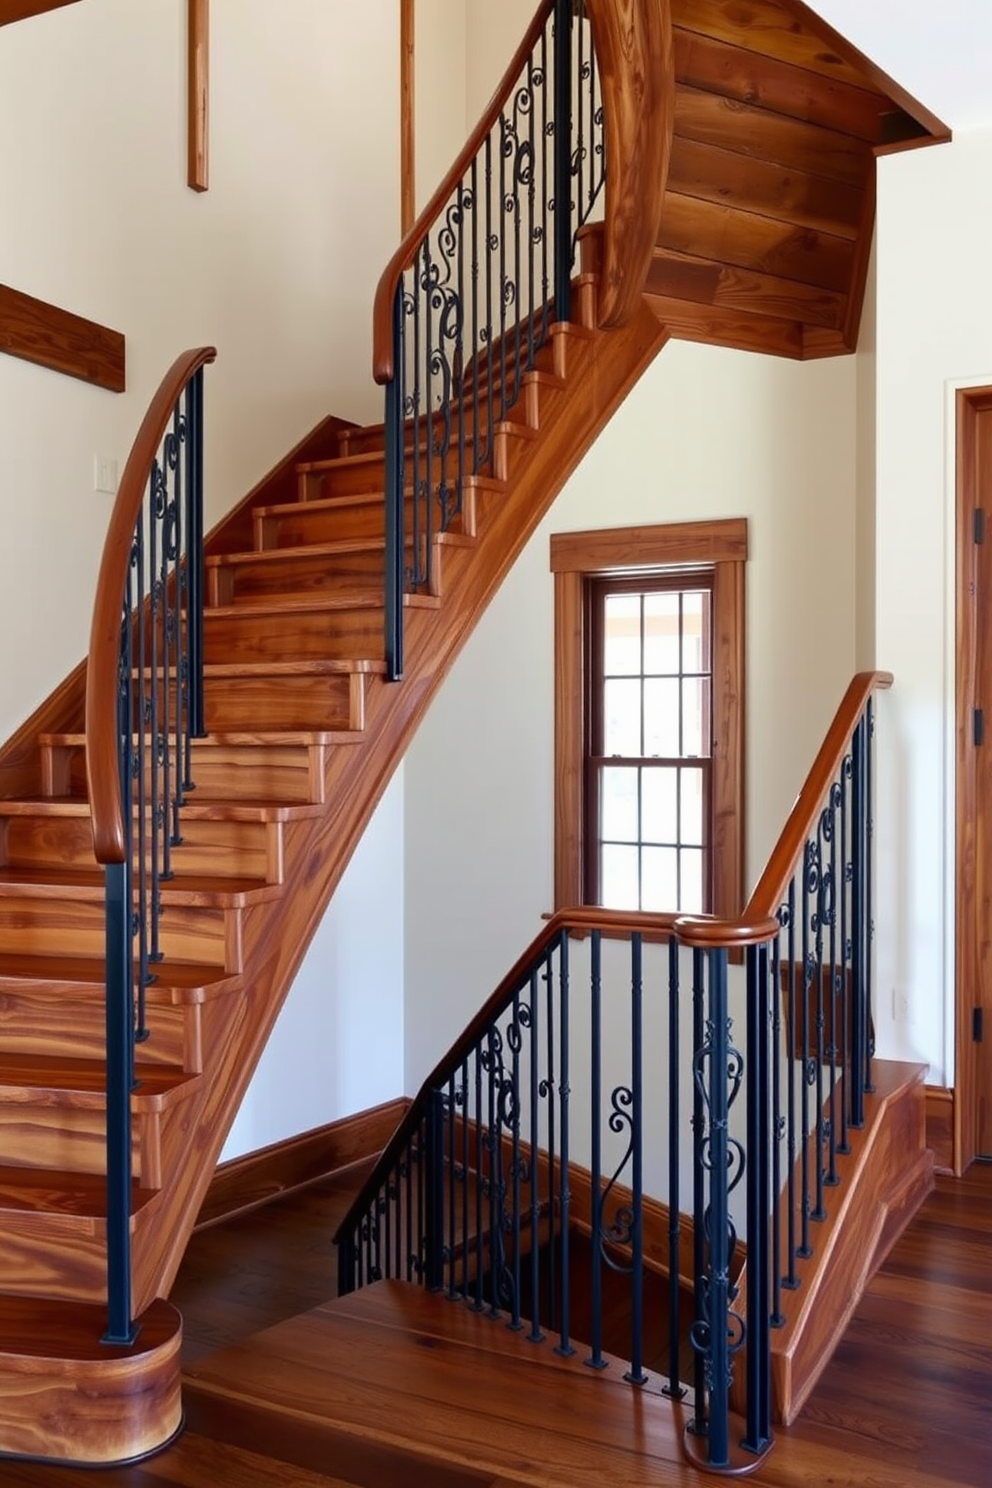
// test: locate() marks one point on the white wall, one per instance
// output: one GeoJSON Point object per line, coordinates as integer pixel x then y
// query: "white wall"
{"type": "Point", "coordinates": [276, 265]}
{"type": "Point", "coordinates": [706, 433]}
{"type": "Point", "coordinates": [934, 332]}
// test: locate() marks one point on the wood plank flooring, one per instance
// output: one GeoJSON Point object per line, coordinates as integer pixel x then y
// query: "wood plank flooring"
{"type": "Point", "coordinates": [906, 1403]}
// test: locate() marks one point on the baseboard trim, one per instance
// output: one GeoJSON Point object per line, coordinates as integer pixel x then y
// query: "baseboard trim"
{"type": "Point", "coordinates": [940, 1127]}
{"type": "Point", "coordinates": [258, 1178]}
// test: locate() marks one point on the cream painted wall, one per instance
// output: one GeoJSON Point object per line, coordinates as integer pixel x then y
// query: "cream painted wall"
{"type": "Point", "coordinates": [439, 90]}
{"type": "Point", "coordinates": [934, 332]}
{"type": "Point", "coordinates": [276, 265]}
{"type": "Point", "coordinates": [706, 433]}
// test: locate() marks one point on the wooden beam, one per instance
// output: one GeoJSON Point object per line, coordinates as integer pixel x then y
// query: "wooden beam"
{"type": "Point", "coordinates": [19, 10]}
{"type": "Point", "coordinates": [54, 338]}
{"type": "Point", "coordinates": [408, 175]}
{"type": "Point", "coordinates": [198, 95]}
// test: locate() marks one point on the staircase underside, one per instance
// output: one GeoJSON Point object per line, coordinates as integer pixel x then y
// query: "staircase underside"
{"type": "Point", "coordinates": [767, 219]}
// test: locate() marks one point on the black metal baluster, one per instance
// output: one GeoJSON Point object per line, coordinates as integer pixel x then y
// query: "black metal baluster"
{"type": "Point", "coordinates": [718, 1165]}
{"type": "Point", "coordinates": [698, 1424]}
{"type": "Point", "coordinates": [489, 297]}
{"type": "Point", "coordinates": [434, 1191]}
{"type": "Point", "coordinates": [195, 563]}
{"type": "Point", "coordinates": [458, 387]}
{"type": "Point", "coordinates": [563, 163]}
{"type": "Point", "coordinates": [805, 1247]}
{"type": "Point", "coordinates": [635, 1374]}
{"type": "Point", "coordinates": [545, 194]}
{"type": "Point", "coordinates": [596, 1360]}
{"type": "Point", "coordinates": [859, 945]}
{"type": "Point", "coordinates": [844, 1145]}
{"type": "Point", "coordinates": [415, 416]}
{"type": "Point", "coordinates": [503, 281]}
{"type": "Point", "coordinates": [451, 1158]}
{"type": "Point", "coordinates": [758, 1363]}
{"type": "Point", "coordinates": [777, 1131]}
{"type": "Point", "coordinates": [120, 1029]}
{"type": "Point", "coordinates": [553, 1210]}
{"type": "Point", "coordinates": [564, 1092]}
{"type": "Point", "coordinates": [138, 771]}
{"type": "Point", "coordinates": [535, 1335]}
{"type": "Point", "coordinates": [791, 1281]}
{"type": "Point", "coordinates": [466, 1179]}
{"type": "Point", "coordinates": [515, 1106]}
{"type": "Point", "coordinates": [411, 1254]}
{"type": "Point", "coordinates": [819, 1211]}
{"type": "Point", "coordinates": [674, 1387]}
{"type": "Point", "coordinates": [531, 199]}
{"type": "Point", "coordinates": [475, 344]}
{"type": "Point", "coordinates": [151, 866]}
{"type": "Point", "coordinates": [836, 892]}
{"type": "Point", "coordinates": [395, 476]}
{"type": "Point", "coordinates": [494, 1145]}
{"type": "Point", "coordinates": [480, 1180]}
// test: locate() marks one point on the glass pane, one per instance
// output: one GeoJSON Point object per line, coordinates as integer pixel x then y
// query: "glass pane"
{"type": "Point", "coordinates": [695, 717]}
{"type": "Point", "coordinates": [619, 877]}
{"type": "Point", "coordinates": [622, 717]}
{"type": "Point", "coordinates": [692, 807]}
{"type": "Point", "coordinates": [696, 631]}
{"type": "Point", "coordinates": [622, 635]}
{"type": "Point", "coordinates": [618, 805]}
{"type": "Point", "coordinates": [659, 802]}
{"type": "Point", "coordinates": [692, 881]}
{"type": "Point", "coordinates": [661, 717]}
{"type": "Point", "coordinates": [661, 633]}
{"type": "Point", "coordinates": [659, 889]}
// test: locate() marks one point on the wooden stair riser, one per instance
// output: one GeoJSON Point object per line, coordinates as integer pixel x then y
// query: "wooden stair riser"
{"type": "Point", "coordinates": [327, 519]}
{"type": "Point", "coordinates": [230, 636]}
{"type": "Point", "coordinates": [286, 773]}
{"type": "Point", "coordinates": [286, 704]}
{"type": "Point", "coordinates": [350, 571]}
{"type": "Point", "coordinates": [51, 1255]}
{"type": "Point", "coordinates": [47, 1133]}
{"type": "Point", "coordinates": [221, 848]}
{"type": "Point", "coordinates": [48, 926]}
{"type": "Point", "coordinates": [72, 1024]}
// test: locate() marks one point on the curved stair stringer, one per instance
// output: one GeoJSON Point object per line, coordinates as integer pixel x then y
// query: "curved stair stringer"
{"type": "Point", "coordinates": [275, 934]}
{"type": "Point", "coordinates": [884, 1179]}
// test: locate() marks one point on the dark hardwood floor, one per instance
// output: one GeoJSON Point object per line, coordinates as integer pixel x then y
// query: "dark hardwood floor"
{"type": "Point", "coordinates": [906, 1402]}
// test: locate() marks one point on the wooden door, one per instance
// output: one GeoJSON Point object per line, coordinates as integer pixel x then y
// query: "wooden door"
{"type": "Point", "coordinates": [973, 1092]}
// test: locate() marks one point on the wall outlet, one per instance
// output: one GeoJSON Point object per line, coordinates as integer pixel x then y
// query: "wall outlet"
{"type": "Point", "coordinates": [105, 474]}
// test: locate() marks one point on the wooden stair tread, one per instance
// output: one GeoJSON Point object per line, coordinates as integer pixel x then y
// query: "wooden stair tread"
{"type": "Point", "coordinates": [322, 503]}
{"type": "Point", "coordinates": [297, 604]}
{"type": "Point", "coordinates": [323, 666]}
{"type": "Point", "coordinates": [87, 884]}
{"type": "Point", "coordinates": [70, 1194]}
{"type": "Point", "coordinates": [343, 547]}
{"type": "Point", "coordinates": [280, 738]}
{"type": "Point", "coordinates": [200, 805]}
{"type": "Point", "coordinates": [40, 1328]}
{"type": "Point", "coordinates": [83, 1082]}
{"type": "Point", "coordinates": [175, 981]}
{"type": "Point", "coordinates": [434, 1377]}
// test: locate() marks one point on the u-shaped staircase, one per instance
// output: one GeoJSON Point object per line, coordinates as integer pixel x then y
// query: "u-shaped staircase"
{"type": "Point", "coordinates": [303, 729]}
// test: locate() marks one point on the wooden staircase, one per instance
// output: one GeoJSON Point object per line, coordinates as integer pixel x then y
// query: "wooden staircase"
{"type": "Point", "coordinates": [304, 733]}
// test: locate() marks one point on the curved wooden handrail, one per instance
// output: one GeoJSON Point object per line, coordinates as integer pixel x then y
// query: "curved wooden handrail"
{"type": "Point", "coordinates": [402, 259]}
{"type": "Point", "coordinates": [102, 759]}
{"type": "Point", "coordinates": [635, 54]}
{"type": "Point", "coordinates": [773, 883]}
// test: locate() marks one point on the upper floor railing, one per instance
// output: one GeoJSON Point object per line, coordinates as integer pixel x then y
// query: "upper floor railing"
{"type": "Point", "coordinates": [144, 706]}
{"type": "Point", "coordinates": [642, 1102]}
{"type": "Point", "coordinates": [465, 304]}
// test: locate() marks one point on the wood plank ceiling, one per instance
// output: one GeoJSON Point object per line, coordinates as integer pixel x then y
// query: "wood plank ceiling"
{"type": "Point", "coordinates": [769, 211]}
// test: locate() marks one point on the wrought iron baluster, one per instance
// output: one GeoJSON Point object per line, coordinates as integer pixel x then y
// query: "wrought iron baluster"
{"type": "Point", "coordinates": [451, 1161]}
{"type": "Point", "coordinates": [698, 1424]}
{"type": "Point", "coordinates": [596, 1360]}
{"type": "Point", "coordinates": [548, 1092]}
{"type": "Point", "coordinates": [635, 1374]}
{"type": "Point", "coordinates": [778, 1127]}
{"type": "Point", "coordinates": [758, 1359]}
{"type": "Point", "coordinates": [791, 1281]}
{"type": "Point", "coordinates": [805, 1246]}
{"type": "Point", "coordinates": [844, 1012]}
{"type": "Point", "coordinates": [480, 1180]}
{"type": "Point", "coordinates": [563, 161]}
{"type": "Point", "coordinates": [859, 1038]}
{"type": "Point", "coordinates": [564, 1093]}
{"type": "Point", "coordinates": [535, 1335]}
{"type": "Point", "coordinates": [674, 1387]}
{"type": "Point", "coordinates": [512, 1109]}
{"type": "Point", "coordinates": [869, 737]}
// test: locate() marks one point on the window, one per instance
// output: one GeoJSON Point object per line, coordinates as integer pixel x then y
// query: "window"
{"type": "Point", "coordinates": [649, 641]}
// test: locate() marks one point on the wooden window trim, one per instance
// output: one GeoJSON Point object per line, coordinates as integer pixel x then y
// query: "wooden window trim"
{"type": "Point", "coordinates": [575, 556]}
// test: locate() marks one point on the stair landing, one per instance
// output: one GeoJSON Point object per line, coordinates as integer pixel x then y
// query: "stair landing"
{"type": "Point", "coordinates": [419, 1376]}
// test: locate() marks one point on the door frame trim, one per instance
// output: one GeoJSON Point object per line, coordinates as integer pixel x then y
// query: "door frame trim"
{"type": "Point", "coordinates": [969, 403]}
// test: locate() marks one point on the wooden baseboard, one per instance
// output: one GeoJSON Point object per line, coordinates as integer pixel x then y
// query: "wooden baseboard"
{"type": "Point", "coordinates": [940, 1127]}
{"type": "Point", "coordinates": [260, 1177]}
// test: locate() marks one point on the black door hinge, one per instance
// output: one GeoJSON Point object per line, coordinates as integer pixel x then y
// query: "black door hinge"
{"type": "Point", "coordinates": [978, 527]}
{"type": "Point", "coordinates": [978, 1024]}
{"type": "Point", "coordinates": [978, 726]}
